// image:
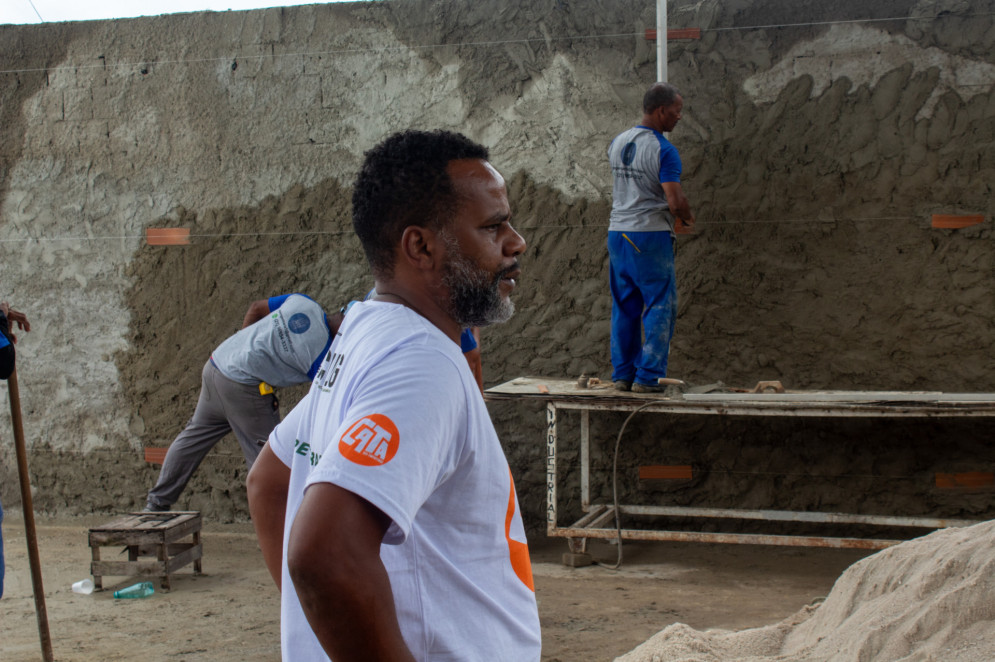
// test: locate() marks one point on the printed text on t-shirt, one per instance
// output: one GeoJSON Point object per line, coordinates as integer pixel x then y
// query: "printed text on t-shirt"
{"type": "Point", "coordinates": [329, 372]}
{"type": "Point", "coordinates": [281, 333]}
{"type": "Point", "coordinates": [304, 450]}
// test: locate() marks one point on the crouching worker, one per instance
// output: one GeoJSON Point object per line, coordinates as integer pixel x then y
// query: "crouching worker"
{"type": "Point", "coordinates": [282, 342]}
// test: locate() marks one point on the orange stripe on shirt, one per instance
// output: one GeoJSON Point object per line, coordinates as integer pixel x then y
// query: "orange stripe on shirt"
{"type": "Point", "coordinates": [518, 551]}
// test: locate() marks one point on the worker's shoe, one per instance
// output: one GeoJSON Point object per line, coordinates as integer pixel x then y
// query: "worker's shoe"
{"type": "Point", "coordinates": [648, 388]}
{"type": "Point", "coordinates": [152, 508]}
{"type": "Point", "coordinates": [622, 385]}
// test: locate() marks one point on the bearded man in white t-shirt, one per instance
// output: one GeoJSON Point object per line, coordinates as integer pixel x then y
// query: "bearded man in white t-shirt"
{"type": "Point", "coordinates": [384, 505]}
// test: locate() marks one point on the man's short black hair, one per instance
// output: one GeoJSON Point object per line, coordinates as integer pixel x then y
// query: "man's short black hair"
{"type": "Point", "coordinates": [404, 182]}
{"type": "Point", "coordinates": [659, 94]}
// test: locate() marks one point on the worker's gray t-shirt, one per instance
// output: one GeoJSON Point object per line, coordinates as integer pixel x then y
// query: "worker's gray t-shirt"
{"type": "Point", "coordinates": [641, 159]}
{"type": "Point", "coordinates": [284, 348]}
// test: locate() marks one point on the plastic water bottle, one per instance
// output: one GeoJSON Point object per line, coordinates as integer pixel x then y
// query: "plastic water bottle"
{"type": "Point", "coordinates": [140, 590]}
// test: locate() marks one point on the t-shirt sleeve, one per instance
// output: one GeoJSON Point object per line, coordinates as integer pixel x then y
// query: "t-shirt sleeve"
{"type": "Point", "coordinates": [319, 357]}
{"type": "Point", "coordinates": [305, 317]}
{"type": "Point", "coordinates": [277, 301]}
{"type": "Point", "coordinates": [6, 350]}
{"type": "Point", "coordinates": [318, 343]}
{"type": "Point", "coordinates": [670, 163]}
{"type": "Point", "coordinates": [4, 331]}
{"type": "Point", "coordinates": [467, 343]}
{"type": "Point", "coordinates": [283, 439]}
{"type": "Point", "coordinates": [400, 436]}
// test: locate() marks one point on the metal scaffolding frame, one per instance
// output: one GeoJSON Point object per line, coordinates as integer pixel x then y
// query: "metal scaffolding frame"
{"type": "Point", "coordinates": [598, 518]}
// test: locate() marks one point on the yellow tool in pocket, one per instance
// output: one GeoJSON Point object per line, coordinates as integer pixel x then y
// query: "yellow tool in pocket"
{"type": "Point", "coordinates": [264, 388]}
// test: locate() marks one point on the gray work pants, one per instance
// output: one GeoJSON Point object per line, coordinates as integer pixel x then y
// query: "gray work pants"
{"type": "Point", "coordinates": [224, 406]}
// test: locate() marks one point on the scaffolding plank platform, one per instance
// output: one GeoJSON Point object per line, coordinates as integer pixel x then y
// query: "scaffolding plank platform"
{"type": "Point", "coordinates": [567, 393]}
{"type": "Point", "coordinates": [570, 394]}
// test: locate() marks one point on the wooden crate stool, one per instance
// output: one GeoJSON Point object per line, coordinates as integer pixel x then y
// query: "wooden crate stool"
{"type": "Point", "coordinates": [156, 535]}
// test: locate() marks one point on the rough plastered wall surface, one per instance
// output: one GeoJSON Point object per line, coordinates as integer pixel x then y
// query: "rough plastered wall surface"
{"type": "Point", "coordinates": [818, 139]}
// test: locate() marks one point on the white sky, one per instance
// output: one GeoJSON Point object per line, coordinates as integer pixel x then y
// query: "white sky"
{"type": "Point", "coordinates": [52, 11]}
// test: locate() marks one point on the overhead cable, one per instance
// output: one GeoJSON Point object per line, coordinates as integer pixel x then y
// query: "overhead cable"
{"type": "Point", "coordinates": [599, 227]}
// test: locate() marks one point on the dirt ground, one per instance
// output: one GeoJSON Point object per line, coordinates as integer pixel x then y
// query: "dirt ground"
{"type": "Point", "coordinates": [232, 610]}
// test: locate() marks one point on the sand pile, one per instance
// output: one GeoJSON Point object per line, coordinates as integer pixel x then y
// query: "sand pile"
{"type": "Point", "coordinates": [932, 598]}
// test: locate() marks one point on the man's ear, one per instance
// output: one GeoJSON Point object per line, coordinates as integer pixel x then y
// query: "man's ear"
{"type": "Point", "coordinates": [421, 247]}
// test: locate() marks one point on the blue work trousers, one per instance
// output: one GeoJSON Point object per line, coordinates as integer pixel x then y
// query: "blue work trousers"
{"type": "Point", "coordinates": [644, 298]}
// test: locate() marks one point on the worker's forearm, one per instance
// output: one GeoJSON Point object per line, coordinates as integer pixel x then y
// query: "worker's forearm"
{"type": "Point", "coordinates": [333, 555]}
{"type": "Point", "coordinates": [267, 485]}
{"type": "Point", "coordinates": [677, 202]}
{"type": "Point", "coordinates": [257, 310]}
{"type": "Point", "coordinates": [679, 206]}
{"type": "Point", "coordinates": [350, 607]}
{"type": "Point", "coordinates": [269, 530]}
{"type": "Point", "coordinates": [683, 212]}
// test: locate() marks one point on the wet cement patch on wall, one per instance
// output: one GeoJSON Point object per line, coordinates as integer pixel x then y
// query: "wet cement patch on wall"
{"type": "Point", "coordinates": [188, 299]}
{"type": "Point", "coordinates": [843, 273]}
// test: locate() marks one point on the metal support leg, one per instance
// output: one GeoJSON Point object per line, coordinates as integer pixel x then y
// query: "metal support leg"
{"type": "Point", "coordinates": [550, 468]}
{"type": "Point", "coordinates": [585, 460]}
{"type": "Point", "coordinates": [577, 556]}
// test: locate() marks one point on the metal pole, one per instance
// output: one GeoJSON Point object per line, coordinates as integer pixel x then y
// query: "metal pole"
{"type": "Point", "coordinates": [661, 41]}
{"type": "Point", "coordinates": [29, 518]}
{"type": "Point", "coordinates": [585, 460]}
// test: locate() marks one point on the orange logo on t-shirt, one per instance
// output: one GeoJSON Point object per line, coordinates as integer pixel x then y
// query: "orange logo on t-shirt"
{"type": "Point", "coordinates": [370, 441]}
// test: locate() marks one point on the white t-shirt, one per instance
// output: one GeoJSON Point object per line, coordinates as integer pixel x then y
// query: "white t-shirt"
{"type": "Point", "coordinates": [641, 160]}
{"type": "Point", "coordinates": [395, 416]}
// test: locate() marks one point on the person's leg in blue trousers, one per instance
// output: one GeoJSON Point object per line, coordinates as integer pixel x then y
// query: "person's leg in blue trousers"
{"type": "Point", "coordinates": [644, 297]}
{"type": "Point", "coordinates": [627, 309]}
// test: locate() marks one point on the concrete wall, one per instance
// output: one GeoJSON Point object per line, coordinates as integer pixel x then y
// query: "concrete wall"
{"type": "Point", "coordinates": [818, 139]}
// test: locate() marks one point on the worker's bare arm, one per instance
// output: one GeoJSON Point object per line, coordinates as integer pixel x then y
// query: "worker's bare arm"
{"type": "Point", "coordinates": [267, 485]}
{"type": "Point", "coordinates": [335, 321]}
{"type": "Point", "coordinates": [334, 560]}
{"type": "Point", "coordinates": [257, 310]}
{"type": "Point", "coordinates": [678, 202]}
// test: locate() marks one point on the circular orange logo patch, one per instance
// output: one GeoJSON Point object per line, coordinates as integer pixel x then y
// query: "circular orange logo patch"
{"type": "Point", "coordinates": [370, 441]}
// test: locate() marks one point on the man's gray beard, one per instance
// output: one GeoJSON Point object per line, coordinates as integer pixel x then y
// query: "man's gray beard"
{"type": "Point", "coordinates": [474, 300]}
